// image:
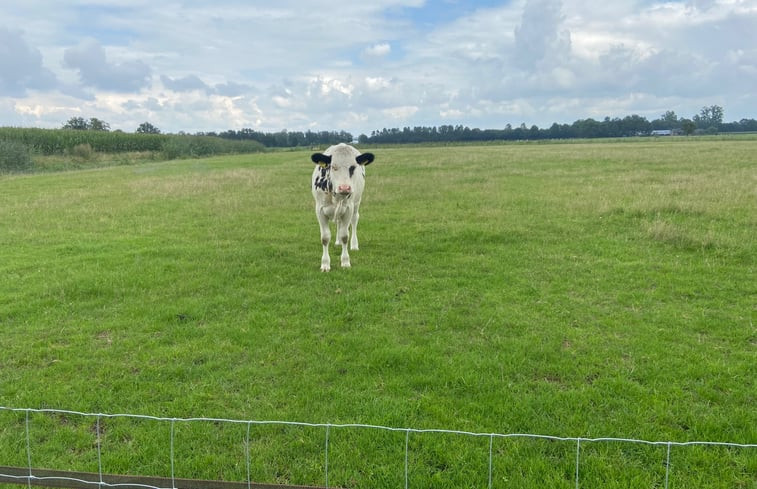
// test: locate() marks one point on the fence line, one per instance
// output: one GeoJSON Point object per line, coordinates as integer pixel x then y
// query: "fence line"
{"type": "Point", "coordinates": [86, 480]}
{"type": "Point", "coordinates": [327, 427]}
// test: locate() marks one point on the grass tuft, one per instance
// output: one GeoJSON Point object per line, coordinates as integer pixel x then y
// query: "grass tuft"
{"type": "Point", "coordinates": [666, 232]}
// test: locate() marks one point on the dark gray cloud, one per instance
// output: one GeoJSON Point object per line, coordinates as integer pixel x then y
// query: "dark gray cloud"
{"type": "Point", "coordinates": [233, 89]}
{"type": "Point", "coordinates": [185, 84]}
{"type": "Point", "coordinates": [541, 37]}
{"type": "Point", "coordinates": [191, 83]}
{"type": "Point", "coordinates": [96, 71]}
{"type": "Point", "coordinates": [21, 66]}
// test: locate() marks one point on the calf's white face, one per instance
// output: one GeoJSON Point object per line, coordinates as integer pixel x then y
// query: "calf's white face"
{"type": "Point", "coordinates": [341, 170]}
{"type": "Point", "coordinates": [338, 182]}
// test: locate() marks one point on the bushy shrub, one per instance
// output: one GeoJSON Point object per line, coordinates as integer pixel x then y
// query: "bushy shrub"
{"type": "Point", "coordinates": [202, 146]}
{"type": "Point", "coordinates": [191, 147]}
{"type": "Point", "coordinates": [177, 147]}
{"type": "Point", "coordinates": [14, 157]}
{"type": "Point", "coordinates": [82, 151]}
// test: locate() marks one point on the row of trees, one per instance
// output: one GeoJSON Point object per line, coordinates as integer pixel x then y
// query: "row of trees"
{"type": "Point", "coordinates": [282, 139]}
{"type": "Point", "coordinates": [95, 124]}
{"type": "Point", "coordinates": [708, 121]}
{"type": "Point", "coordinates": [287, 139]}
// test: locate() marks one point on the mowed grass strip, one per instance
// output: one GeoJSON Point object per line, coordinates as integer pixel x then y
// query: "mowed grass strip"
{"type": "Point", "coordinates": [564, 289]}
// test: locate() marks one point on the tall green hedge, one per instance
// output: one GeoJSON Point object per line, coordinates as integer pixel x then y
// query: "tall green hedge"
{"type": "Point", "coordinates": [61, 141]}
{"type": "Point", "coordinates": [57, 141]}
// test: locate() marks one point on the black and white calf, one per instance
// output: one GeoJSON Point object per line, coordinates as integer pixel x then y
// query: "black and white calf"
{"type": "Point", "coordinates": [338, 182]}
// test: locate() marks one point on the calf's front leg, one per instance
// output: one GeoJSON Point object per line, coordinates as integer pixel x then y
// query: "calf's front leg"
{"type": "Point", "coordinates": [323, 221]}
{"type": "Point", "coordinates": [353, 225]}
{"type": "Point", "coordinates": [342, 233]}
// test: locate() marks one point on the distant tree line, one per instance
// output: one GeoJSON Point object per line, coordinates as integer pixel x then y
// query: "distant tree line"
{"type": "Point", "coordinates": [708, 121]}
{"type": "Point", "coordinates": [95, 124]}
{"type": "Point", "coordinates": [281, 139]}
{"type": "Point", "coordinates": [82, 124]}
{"type": "Point", "coordinates": [286, 139]}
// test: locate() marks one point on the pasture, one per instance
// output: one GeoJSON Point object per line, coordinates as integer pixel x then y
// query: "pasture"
{"type": "Point", "coordinates": [601, 289]}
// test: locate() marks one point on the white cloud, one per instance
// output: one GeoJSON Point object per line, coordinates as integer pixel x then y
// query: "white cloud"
{"type": "Point", "coordinates": [323, 86]}
{"type": "Point", "coordinates": [378, 50]}
{"type": "Point", "coordinates": [402, 112]}
{"type": "Point", "coordinates": [40, 110]}
{"type": "Point", "coordinates": [376, 83]}
{"type": "Point", "coordinates": [282, 102]}
{"type": "Point", "coordinates": [202, 67]}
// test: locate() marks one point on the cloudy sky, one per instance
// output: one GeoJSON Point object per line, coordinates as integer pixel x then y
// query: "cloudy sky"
{"type": "Point", "coordinates": [186, 65]}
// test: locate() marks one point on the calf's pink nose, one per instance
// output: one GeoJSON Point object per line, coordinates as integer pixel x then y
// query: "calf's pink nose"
{"type": "Point", "coordinates": [344, 189]}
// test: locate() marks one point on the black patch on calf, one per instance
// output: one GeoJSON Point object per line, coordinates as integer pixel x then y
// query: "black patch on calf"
{"type": "Point", "coordinates": [352, 170]}
{"type": "Point", "coordinates": [323, 182]}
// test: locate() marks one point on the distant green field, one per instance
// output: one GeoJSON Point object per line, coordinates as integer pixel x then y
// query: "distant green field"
{"type": "Point", "coordinates": [575, 290]}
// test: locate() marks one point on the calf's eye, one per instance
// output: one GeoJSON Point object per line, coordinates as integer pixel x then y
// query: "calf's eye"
{"type": "Point", "coordinates": [352, 169]}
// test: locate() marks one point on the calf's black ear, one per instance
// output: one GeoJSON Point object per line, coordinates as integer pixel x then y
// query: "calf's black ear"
{"type": "Point", "coordinates": [321, 159]}
{"type": "Point", "coordinates": [365, 159]}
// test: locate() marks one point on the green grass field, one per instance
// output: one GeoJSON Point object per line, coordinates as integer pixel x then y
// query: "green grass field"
{"type": "Point", "coordinates": [576, 290]}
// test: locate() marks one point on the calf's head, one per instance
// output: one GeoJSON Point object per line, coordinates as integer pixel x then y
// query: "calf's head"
{"type": "Point", "coordinates": [339, 168]}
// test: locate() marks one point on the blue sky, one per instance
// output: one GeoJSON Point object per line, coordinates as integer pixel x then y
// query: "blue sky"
{"type": "Point", "coordinates": [358, 66]}
{"type": "Point", "coordinates": [427, 15]}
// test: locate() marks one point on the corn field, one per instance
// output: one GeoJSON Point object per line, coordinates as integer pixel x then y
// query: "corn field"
{"type": "Point", "coordinates": [57, 141]}
{"type": "Point", "coordinates": [19, 147]}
